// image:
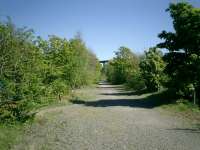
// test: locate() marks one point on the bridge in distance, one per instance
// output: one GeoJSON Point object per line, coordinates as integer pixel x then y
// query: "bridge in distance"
{"type": "Point", "coordinates": [103, 62]}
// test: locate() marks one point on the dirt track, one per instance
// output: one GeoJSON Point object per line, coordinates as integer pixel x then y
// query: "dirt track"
{"type": "Point", "coordinates": [112, 120]}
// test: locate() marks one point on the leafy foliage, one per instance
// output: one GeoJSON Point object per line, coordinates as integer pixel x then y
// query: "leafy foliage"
{"type": "Point", "coordinates": [124, 68]}
{"type": "Point", "coordinates": [184, 48]}
{"type": "Point", "coordinates": [152, 67]}
{"type": "Point", "coordinates": [32, 68]}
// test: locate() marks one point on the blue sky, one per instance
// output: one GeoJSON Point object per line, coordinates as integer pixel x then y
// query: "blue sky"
{"type": "Point", "coordinates": [105, 24]}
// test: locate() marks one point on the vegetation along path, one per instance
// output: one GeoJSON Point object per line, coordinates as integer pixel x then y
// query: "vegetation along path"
{"type": "Point", "coordinates": [108, 118]}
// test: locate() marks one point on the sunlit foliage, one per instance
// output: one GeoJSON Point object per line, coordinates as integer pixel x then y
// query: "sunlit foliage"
{"type": "Point", "coordinates": [32, 68]}
{"type": "Point", "coordinates": [183, 57]}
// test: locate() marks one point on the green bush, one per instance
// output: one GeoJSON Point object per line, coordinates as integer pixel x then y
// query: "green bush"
{"type": "Point", "coordinates": [122, 68]}
{"type": "Point", "coordinates": [152, 66]}
{"type": "Point", "coordinates": [183, 45]}
{"type": "Point", "coordinates": [13, 111]}
{"type": "Point", "coordinates": [33, 70]}
{"type": "Point", "coordinates": [136, 82]}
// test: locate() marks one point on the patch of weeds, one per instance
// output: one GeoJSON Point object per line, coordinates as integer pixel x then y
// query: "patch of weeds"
{"type": "Point", "coordinates": [15, 117]}
{"type": "Point", "coordinates": [182, 105]}
{"type": "Point", "coordinates": [169, 101]}
{"type": "Point", "coordinates": [9, 133]}
{"type": "Point", "coordinates": [87, 94]}
{"type": "Point", "coordinates": [184, 108]}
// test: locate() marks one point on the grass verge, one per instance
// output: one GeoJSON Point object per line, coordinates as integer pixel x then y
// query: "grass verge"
{"type": "Point", "coordinates": [11, 132]}
{"type": "Point", "coordinates": [9, 135]}
{"type": "Point", "coordinates": [181, 107]}
{"type": "Point", "coordinates": [184, 109]}
{"type": "Point", "coordinates": [166, 100]}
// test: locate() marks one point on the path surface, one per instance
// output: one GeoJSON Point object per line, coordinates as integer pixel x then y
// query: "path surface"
{"type": "Point", "coordinates": [113, 120]}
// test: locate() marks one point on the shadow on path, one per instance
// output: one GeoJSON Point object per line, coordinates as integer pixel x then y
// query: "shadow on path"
{"type": "Point", "coordinates": [187, 130]}
{"type": "Point", "coordinates": [109, 87]}
{"type": "Point", "coordinates": [154, 100]}
{"type": "Point", "coordinates": [147, 102]}
{"type": "Point", "coordinates": [121, 92]}
{"type": "Point", "coordinates": [116, 102]}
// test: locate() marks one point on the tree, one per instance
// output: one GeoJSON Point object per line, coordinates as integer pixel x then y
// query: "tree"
{"type": "Point", "coordinates": [20, 64]}
{"type": "Point", "coordinates": [20, 80]}
{"type": "Point", "coordinates": [33, 69]}
{"type": "Point", "coordinates": [68, 62]}
{"type": "Point", "coordinates": [152, 67]}
{"type": "Point", "coordinates": [184, 47]}
{"type": "Point", "coordinates": [122, 68]}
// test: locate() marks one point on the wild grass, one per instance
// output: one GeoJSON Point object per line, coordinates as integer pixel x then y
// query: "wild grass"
{"type": "Point", "coordinates": [169, 101]}
{"type": "Point", "coordinates": [11, 132]}
{"type": "Point", "coordinates": [176, 105]}
{"type": "Point", "coordinates": [9, 135]}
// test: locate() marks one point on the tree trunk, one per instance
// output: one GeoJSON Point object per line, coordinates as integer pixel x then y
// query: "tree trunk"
{"type": "Point", "coordinates": [59, 97]}
{"type": "Point", "coordinates": [194, 97]}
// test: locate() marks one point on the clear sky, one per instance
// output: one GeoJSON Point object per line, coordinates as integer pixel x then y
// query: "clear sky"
{"type": "Point", "coordinates": [105, 24]}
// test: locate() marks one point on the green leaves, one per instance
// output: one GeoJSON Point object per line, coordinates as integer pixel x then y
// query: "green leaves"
{"type": "Point", "coordinates": [152, 67]}
{"type": "Point", "coordinates": [186, 21]}
{"type": "Point", "coordinates": [32, 68]}
{"type": "Point", "coordinates": [123, 67]}
{"type": "Point", "coordinates": [184, 48]}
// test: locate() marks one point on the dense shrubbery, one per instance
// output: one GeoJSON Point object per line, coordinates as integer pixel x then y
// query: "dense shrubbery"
{"type": "Point", "coordinates": [183, 58]}
{"type": "Point", "coordinates": [124, 68]}
{"type": "Point", "coordinates": [32, 68]}
{"type": "Point", "coordinates": [178, 70]}
{"type": "Point", "coordinates": [152, 67]}
{"type": "Point", "coordinates": [137, 73]}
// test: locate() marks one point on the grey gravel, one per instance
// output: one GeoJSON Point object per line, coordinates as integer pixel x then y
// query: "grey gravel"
{"type": "Point", "coordinates": [110, 121]}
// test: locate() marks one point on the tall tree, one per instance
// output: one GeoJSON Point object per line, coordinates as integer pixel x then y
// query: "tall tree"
{"type": "Point", "coordinates": [184, 47]}
{"type": "Point", "coordinates": [123, 66]}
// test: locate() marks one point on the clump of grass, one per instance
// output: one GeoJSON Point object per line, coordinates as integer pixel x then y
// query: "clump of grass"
{"type": "Point", "coordinates": [169, 101]}
{"type": "Point", "coordinates": [182, 105]}
{"type": "Point", "coordinates": [11, 128]}
{"type": "Point", "coordinates": [185, 109]}
{"type": "Point", "coordinates": [9, 135]}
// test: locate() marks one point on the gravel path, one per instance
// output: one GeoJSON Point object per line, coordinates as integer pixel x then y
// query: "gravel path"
{"type": "Point", "coordinates": [113, 120]}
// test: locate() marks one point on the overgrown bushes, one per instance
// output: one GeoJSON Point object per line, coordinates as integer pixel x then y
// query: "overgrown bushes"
{"type": "Point", "coordinates": [179, 68]}
{"type": "Point", "coordinates": [123, 67]}
{"type": "Point", "coordinates": [183, 58]}
{"type": "Point", "coordinates": [152, 67]}
{"type": "Point", "coordinates": [32, 68]}
{"type": "Point", "coordinates": [137, 72]}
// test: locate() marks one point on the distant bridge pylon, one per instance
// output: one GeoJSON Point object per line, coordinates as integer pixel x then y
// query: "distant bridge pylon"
{"type": "Point", "coordinates": [103, 62]}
